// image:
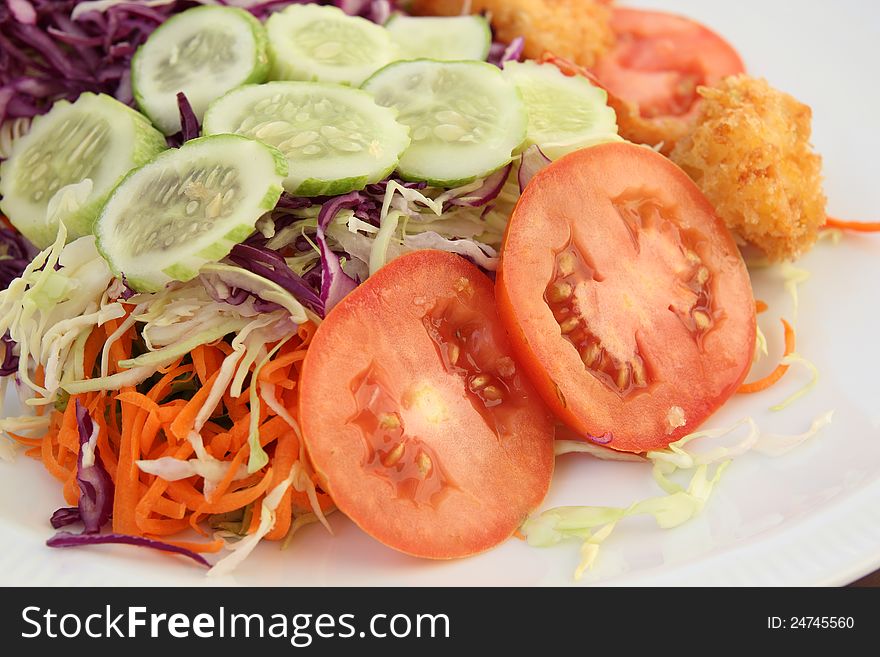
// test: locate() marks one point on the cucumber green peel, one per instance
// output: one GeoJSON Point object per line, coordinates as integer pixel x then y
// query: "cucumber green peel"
{"type": "Point", "coordinates": [466, 121]}
{"type": "Point", "coordinates": [203, 52]}
{"type": "Point", "coordinates": [322, 43]}
{"type": "Point", "coordinates": [96, 138]}
{"type": "Point", "coordinates": [337, 139]}
{"type": "Point", "coordinates": [565, 113]}
{"type": "Point", "coordinates": [188, 207]}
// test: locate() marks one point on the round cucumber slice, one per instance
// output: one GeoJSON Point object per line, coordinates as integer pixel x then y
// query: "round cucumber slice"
{"type": "Point", "coordinates": [336, 139]}
{"type": "Point", "coordinates": [444, 38]}
{"type": "Point", "coordinates": [203, 52]}
{"type": "Point", "coordinates": [188, 207]}
{"type": "Point", "coordinates": [96, 137]}
{"type": "Point", "coordinates": [322, 43]}
{"type": "Point", "coordinates": [565, 113]}
{"type": "Point", "coordinates": [465, 119]}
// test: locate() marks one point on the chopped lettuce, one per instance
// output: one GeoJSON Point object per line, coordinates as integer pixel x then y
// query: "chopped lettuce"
{"type": "Point", "coordinates": [703, 463]}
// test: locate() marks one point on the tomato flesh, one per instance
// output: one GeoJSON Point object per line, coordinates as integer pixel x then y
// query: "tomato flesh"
{"type": "Point", "coordinates": [416, 418]}
{"type": "Point", "coordinates": [625, 297]}
{"type": "Point", "coordinates": [660, 60]}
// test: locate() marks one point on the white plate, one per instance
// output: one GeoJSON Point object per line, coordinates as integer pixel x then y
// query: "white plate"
{"type": "Point", "coordinates": [809, 518]}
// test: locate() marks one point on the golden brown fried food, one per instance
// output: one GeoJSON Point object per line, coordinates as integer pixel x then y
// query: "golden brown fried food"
{"type": "Point", "coordinates": [751, 155]}
{"type": "Point", "coordinates": [579, 30]}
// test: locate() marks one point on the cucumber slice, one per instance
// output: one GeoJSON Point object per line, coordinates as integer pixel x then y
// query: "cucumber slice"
{"type": "Point", "coordinates": [203, 52]}
{"type": "Point", "coordinates": [465, 119]}
{"type": "Point", "coordinates": [96, 137]}
{"type": "Point", "coordinates": [188, 207]}
{"type": "Point", "coordinates": [444, 38]}
{"type": "Point", "coordinates": [321, 43]}
{"type": "Point", "coordinates": [565, 113]}
{"type": "Point", "coordinates": [336, 139]}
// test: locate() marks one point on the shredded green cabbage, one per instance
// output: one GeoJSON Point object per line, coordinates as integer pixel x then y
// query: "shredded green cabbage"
{"type": "Point", "coordinates": [246, 545]}
{"type": "Point", "coordinates": [796, 359]}
{"type": "Point", "coordinates": [793, 278]}
{"type": "Point", "coordinates": [593, 525]}
{"type": "Point", "coordinates": [761, 349]}
{"type": "Point", "coordinates": [561, 447]}
{"type": "Point", "coordinates": [705, 466]}
{"type": "Point", "coordinates": [258, 457]}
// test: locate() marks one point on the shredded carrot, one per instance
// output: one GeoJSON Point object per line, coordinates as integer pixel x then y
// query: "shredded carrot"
{"type": "Point", "coordinates": [286, 455]}
{"type": "Point", "coordinates": [47, 447]}
{"type": "Point", "coordinates": [151, 421]}
{"type": "Point", "coordinates": [761, 307]}
{"type": "Point", "coordinates": [854, 226]}
{"type": "Point", "coordinates": [127, 493]}
{"type": "Point", "coordinates": [92, 351]}
{"type": "Point", "coordinates": [237, 499]}
{"type": "Point", "coordinates": [762, 384]}
{"type": "Point", "coordinates": [518, 534]}
{"type": "Point", "coordinates": [212, 547]}
{"type": "Point", "coordinates": [236, 462]}
{"type": "Point", "coordinates": [24, 440]}
{"type": "Point", "coordinates": [186, 419]}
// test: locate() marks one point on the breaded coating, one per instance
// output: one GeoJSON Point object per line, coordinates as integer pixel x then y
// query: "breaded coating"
{"type": "Point", "coordinates": [579, 30]}
{"type": "Point", "coordinates": [751, 155]}
{"type": "Point", "coordinates": [661, 132]}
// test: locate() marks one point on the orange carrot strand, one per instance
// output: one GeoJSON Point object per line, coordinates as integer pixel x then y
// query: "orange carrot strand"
{"type": "Point", "coordinates": [763, 384]}
{"type": "Point", "coordinates": [854, 226]}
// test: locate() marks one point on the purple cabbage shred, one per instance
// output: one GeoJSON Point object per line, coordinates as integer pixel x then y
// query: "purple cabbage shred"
{"type": "Point", "coordinates": [9, 366]}
{"type": "Point", "coordinates": [272, 266]}
{"type": "Point", "coordinates": [45, 55]}
{"type": "Point", "coordinates": [68, 539]}
{"type": "Point", "coordinates": [67, 515]}
{"type": "Point", "coordinates": [188, 120]}
{"type": "Point", "coordinates": [16, 254]}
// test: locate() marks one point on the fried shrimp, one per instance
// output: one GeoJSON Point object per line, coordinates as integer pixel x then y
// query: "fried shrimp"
{"type": "Point", "coordinates": [751, 155]}
{"type": "Point", "coordinates": [579, 30]}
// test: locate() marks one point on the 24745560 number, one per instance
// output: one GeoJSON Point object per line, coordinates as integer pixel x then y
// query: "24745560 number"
{"type": "Point", "coordinates": [811, 623]}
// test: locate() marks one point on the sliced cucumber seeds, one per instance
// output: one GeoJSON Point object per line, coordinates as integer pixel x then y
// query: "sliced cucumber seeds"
{"type": "Point", "coordinates": [203, 52]}
{"type": "Point", "coordinates": [565, 113]}
{"type": "Point", "coordinates": [336, 139]}
{"type": "Point", "coordinates": [188, 207]}
{"type": "Point", "coordinates": [97, 137]}
{"type": "Point", "coordinates": [321, 43]}
{"type": "Point", "coordinates": [465, 119]}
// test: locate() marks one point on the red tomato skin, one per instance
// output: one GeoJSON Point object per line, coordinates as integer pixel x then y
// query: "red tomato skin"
{"type": "Point", "coordinates": [538, 226]}
{"type": "Point", "coordinates": [494, 482]}
{"type": "Point", "coordinates": [654, 53]}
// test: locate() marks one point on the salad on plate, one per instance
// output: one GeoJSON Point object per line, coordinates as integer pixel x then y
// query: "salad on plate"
{"type": "Point", "coordinates": [266, 261]}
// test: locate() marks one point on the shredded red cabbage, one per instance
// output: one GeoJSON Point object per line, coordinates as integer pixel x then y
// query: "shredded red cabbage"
{"type": "Point", "coordinates": [67, 515]}
{"type": "Point", "coordinates": [188, 120]}
{"type": "Point", "coordinates": [45, 55]}
{"type": "Point", "coordinates": [487, 193]}
{"type": "Point", "coordinates": [500, 53]}
{"type": "Point", "coordinates": [533, 160]}
{"type": "Point", "coordinates": [67, 539]}
{"type": "Point", "coordinates": [335, 283]}
{"type": "Point", "coordinates": [270, 265]}
{"type": "Point", "coordinates": [95, 484]}
{"type": "Point", "coordinates": [605, 439]}
{"type": "Point", "coordinates": [9, 366]}
{"type": "Point", "coordinates": [16, 254]}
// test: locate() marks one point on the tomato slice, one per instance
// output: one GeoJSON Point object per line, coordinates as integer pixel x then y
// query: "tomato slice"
{"type": "Point", "coordinates": [625, 297]}
{"type": "Point", "coordinates": [417, 420]}
{"type": "Point", "coordinates": [656, 66]}
{"type": "Point", "coordinates": [660, 59]}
